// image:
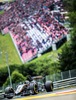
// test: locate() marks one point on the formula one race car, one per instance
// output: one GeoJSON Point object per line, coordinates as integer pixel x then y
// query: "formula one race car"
{"type": "Point", "coordinates": [32, 86]}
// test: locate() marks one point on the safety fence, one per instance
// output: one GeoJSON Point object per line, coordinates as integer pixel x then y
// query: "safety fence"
{"type": "Point", "coordinates": [65, 83]}
{"type": "Point", "coordinates": [63, 79]}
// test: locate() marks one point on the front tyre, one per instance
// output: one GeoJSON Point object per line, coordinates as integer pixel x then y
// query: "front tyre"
{"type": "Point", "coordinates": [9, 93]}
{"type": "Point", "coordinates": [49, 86]}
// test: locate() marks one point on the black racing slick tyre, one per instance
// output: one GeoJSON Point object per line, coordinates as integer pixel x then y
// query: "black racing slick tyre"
{"type": "Point", "coordinates": [49, 86]}
{"type": "Point", "coordinates": [9, 93]}
{"type": "Point", "coordinates": [34, 89]}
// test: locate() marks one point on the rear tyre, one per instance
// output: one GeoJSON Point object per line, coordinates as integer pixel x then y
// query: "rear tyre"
{"type": "Point", "coordinates": [9, 97]}
{"type": "Point", "coordinates": [35, 89]}
{"type": "Point", "coordinates": [49, 86]}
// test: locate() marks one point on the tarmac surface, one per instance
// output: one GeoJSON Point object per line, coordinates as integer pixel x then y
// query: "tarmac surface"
{"type": "Point", "coordinates": [63, 97]}
{"type": "Point", "coordinates": [66, 94]}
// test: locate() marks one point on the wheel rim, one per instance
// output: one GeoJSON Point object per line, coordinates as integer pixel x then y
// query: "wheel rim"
{"type": "Point", "coordinates": [35, 89]}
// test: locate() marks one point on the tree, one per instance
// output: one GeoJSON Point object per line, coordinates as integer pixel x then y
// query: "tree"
{"type": "Point", "coordinates": [68, 59]}
{"type": "Point", "coordinates": [3, 75]}
{"type": "Point", "coordinates": [72, 19]}
{"type": "Point", "coordinates": [68, 56]}
{"type": "Point", "coordinates": [69, 5]}
{"type": "Point", "coordinates": [65, 58]}
{"type": "Point", "coordinates": [16, 78]}
{"type": "Point", "coordinates": [73, 47]}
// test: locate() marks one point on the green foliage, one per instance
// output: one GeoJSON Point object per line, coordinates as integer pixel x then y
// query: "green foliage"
{"type": "Point", "coordinates": [73, 37]}
{"type": "Point", "coordinates": [3, 75]}
{"type": "Point", "coordinates": [46, 66]}
{"type": "Point", "coordinates": [72, 18]}
{"type": "Point", "coordinates": [1, 12]}
{"type": "Point", "coordinates": [70, 5]}
{"type": "Point", "coordinates": [30, 68]}
{"type": "Point", "coordinates": [65, 58]}
{"type": "Point", "coordinates": [16, 77]}
{"type": "Point", "coordinates": [6, 0]}
{"type": "Point", "coordinates": [14, 67]}
{"type": "Point", "coordinates": [68, 56]}
{"type": "Point", "coordinates": [73, 48]}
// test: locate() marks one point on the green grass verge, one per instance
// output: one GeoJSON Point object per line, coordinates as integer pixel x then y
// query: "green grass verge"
{"type": "Point", "coordinates": [6, 45]}
{"type": "Point", "coordinates": [1, 12]}
{"type": "Point", "coordinates": [5, 0]}
{"type": "Point", "coordinates": [51, 56]}
{"type": "Point", "coordinates": [48, 61]}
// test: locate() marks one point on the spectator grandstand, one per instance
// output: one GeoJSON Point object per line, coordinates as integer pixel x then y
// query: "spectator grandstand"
{"type": "Point", "coordinates": [33, 25]}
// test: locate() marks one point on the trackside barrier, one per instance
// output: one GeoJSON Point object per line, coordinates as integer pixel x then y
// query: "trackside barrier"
{"type": "Point", "coordinates": [65, 83]}
{"type": "Point", "coordinates": [63, 79]}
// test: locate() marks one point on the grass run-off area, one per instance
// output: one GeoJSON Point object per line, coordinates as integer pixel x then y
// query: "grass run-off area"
{"type": "Point", "coordinates": [52, 56]}
{"type": "Point", "coordinates": [1, 12]}
{"type": "Point", "coordinates": [5, 0]}
{"type": "Point", "coordinates": [6, 45]}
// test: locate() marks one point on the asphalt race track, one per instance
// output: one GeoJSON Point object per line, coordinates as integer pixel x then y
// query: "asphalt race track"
{"type": "Point", "coordinates": [68, 94]}
{"type": "Point", "coordinates": [65, 97]}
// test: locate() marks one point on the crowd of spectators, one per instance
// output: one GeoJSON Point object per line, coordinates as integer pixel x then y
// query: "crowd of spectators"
{"type": "Point", "coordinates": [1, 6]}
{"type": "Point", "coordinates": [34, 25]}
